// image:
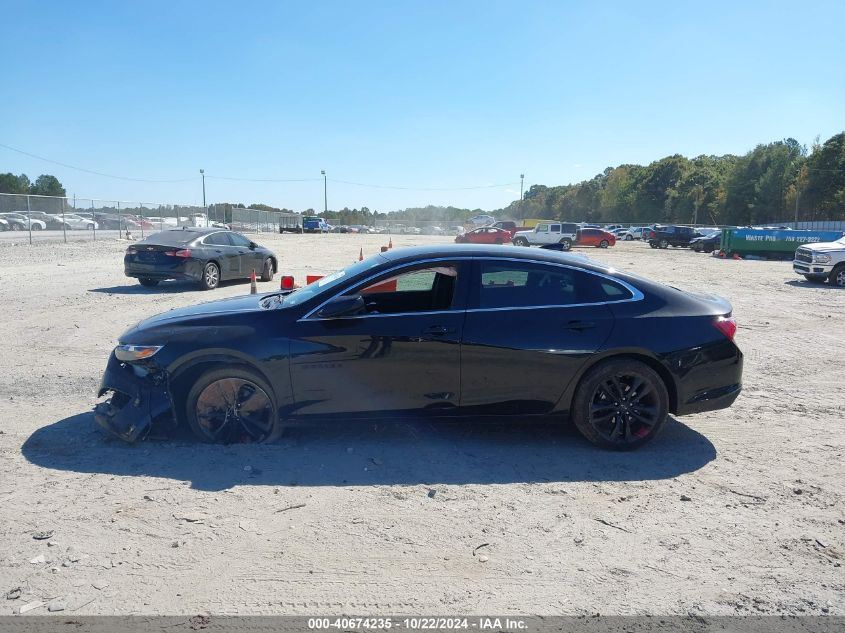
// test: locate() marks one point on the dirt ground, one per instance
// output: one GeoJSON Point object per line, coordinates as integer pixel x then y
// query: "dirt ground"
{"type": "Point", "coordinates": [733, 512]}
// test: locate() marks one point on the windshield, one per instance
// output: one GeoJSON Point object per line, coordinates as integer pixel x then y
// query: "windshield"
{"type": "Point", "coordinates": [330, 281]}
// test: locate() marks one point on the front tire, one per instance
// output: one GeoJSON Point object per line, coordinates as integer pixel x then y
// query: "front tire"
{"type": "Point", "coordinates": [268, 271]}
{"type": "Point", "coordinates": [664, 243]}
{"type": "Point", "coordinates": [520, 241]}
{"type": "Point", "coordinates": [653, 244]}
{"type": "Point", "coordinates": [232, 405]}
{"type": "Point", "coordinates": [837, 276]}
{"type": "Point", "coordinates": [604, 244]}
{"type": "Point", "coordinates": [210, 276]}
{"type": "Point", "coordinates": [620, 404]}
{"type": "Point", "coordinates": [147, 282]}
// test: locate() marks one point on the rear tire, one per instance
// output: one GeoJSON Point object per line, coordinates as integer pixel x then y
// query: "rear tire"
{"type": "Point", "coordinates": [147, 282]}
{"type": "Point", "coordinates": [498, 240]}
{"type": "Point", "coordinates": [837, 276]}
{"type": "Point", "coordinates": [664, 243]}
{"type": "Point", "coordinates": [36, 227]}
{"type": "Point", "coordinates": [232, 404]}
{"type": "Point", "coordinates": [604, 244]}
{"type": "Point", "coordinates": [520, 241]}
{"type": "Point", "coordinates": [620, 404]}
{"type": "Point", "coordinates": [565, 244]}
{"type": "Point", "coordinates": [652, 244]}
{"type": "Point", "coordinates": [628, 238]}
{"type": "Point", "coordinates": [268, 271]}
{"type": "Point", "coordinates": [210, 276]}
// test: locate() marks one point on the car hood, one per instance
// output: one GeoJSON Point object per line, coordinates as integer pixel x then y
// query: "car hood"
{"type": "Point", "coordinates": [825, 247]}
{"type": "Point", "coordinates": [160, 325]}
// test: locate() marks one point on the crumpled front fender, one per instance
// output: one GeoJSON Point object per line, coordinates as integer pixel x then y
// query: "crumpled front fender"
{"type": "Point", "coordinates": [140, 394]}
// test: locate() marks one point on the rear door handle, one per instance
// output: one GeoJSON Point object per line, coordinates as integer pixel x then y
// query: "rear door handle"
{"type": "Point", "coordinates": [438, 330]}
{"type": "Point", "coordinates": [580, 326]}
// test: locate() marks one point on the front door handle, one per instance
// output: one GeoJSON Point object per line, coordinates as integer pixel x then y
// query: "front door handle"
{"type": "Point", "coordinates": [580, 326]}
{"type": "Point", "coordinates": [438, 330]}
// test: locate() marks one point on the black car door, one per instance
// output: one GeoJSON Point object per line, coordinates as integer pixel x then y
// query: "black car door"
{"type": "Point", "coordinates": [529, 328]}
{"type": "Point", "coordinates": [401, 355]}
{"type": "Point", "coordinates": [220, 249]}
{"type": "Point", "coordinates": [246, 256]}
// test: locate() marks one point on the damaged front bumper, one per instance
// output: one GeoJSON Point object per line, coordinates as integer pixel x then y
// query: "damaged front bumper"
{"type": "Point", "coordinates": [140, 395]}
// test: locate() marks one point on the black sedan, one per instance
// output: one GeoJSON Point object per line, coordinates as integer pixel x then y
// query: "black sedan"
{"type": "Point", "coordinates": [207, 256]}
{"type": "Point", "coordinates": [706, 243]}
{"type": "Point", "coordinates": [432, 331]}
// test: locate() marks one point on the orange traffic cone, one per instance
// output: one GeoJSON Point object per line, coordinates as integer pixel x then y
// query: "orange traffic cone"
{"type": "Point", "coordinates": [253, 287]}
{"type": "Point", "coordinates": [390, 243]}
{"type": "Point", "coordinates": [361, 255]}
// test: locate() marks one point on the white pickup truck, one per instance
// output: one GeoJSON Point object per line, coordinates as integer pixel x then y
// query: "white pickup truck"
{"type": "Point", "coordinates": [562, 233]}
{"type": "Point", "coordinates": [822, 261]}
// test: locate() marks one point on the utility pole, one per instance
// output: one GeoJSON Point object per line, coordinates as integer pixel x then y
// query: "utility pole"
{"type": "Point", "coordinates": [521, 183]}
{"type": "Point", "coordinates": [202, 173]}
{"type": "Point", "coordinates": [797, 198]}
{"type": "Point", "coordinates": [325, 193]}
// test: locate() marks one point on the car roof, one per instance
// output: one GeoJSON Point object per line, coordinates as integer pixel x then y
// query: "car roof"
{"type": "Point", "coordinates": [497, 251]}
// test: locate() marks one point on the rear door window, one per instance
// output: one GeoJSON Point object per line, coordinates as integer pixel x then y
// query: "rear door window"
{"type": "Point", "coordinates": [217, 239]}
{"type": "Point", "coordinates": [526, 284]}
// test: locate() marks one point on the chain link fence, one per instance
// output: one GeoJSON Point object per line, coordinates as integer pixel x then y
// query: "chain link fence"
{"type": "Point", "coordinates": [258, 221]}
{"type": "Point", "coordinates": [31, 218]}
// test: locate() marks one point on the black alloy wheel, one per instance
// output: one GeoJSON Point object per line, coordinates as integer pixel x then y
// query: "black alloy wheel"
{"type": "Point", "coordinates": [620, 404]}
{"type": "Point", "coordinates": [231, 405]}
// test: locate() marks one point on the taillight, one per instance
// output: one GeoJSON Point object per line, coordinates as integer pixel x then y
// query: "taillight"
{"type": "Point", "coordinates": [131, 251]}
{"type": "Point", "coordinates": [182, 252]}
{"type": "Point", "coordinates": [727, 326]}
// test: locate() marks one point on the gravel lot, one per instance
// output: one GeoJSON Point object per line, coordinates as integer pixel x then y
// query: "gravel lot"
{"type": "Point", "coordinates": [733, 512]}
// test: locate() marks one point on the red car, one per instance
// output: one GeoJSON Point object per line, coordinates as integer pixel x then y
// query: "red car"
{"type": "Point", "coordinates": [485, 235]}
{"type": "Point", "coordinates": [595, 237]}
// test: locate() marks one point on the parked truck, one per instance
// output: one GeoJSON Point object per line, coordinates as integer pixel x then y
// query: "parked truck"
{"type": "Point", "coordinates": [822, 261]}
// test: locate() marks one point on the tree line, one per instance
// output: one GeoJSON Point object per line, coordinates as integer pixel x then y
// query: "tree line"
{"type": "Point", "coordinates": [771, 183]}
{"type": "Point", "coordinates": [44, 185]}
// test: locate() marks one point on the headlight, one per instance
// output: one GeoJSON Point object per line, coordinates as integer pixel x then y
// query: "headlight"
{"type": "Point", "coordinates": [821, 258]}
{"type": "Point", "coordinates": [128, 353]}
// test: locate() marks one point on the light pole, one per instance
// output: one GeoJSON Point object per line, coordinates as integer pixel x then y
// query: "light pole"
{"type": "Point", "coordinates": [325, 193]}
{"type": "Point", "coordinates": [202, 173]}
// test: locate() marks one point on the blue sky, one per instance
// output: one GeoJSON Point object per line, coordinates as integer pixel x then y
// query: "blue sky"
{"type": "Point", "coordinates": [431, 94]}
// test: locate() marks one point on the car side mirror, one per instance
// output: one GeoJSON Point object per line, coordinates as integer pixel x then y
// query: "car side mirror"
{"type": "Point", "coordinates": [253, 246]}
{"type": "Point", "coordinates": [343, 306]}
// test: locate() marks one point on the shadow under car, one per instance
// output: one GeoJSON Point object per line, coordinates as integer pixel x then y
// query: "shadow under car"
{"type": "Point", "coordinates": [391, 452]}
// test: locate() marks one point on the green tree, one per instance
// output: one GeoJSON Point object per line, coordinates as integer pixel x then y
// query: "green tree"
{"type": "Point", "coordinates": [47, 185]}
{"type": "Point", "coordinates": [9, 183]}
